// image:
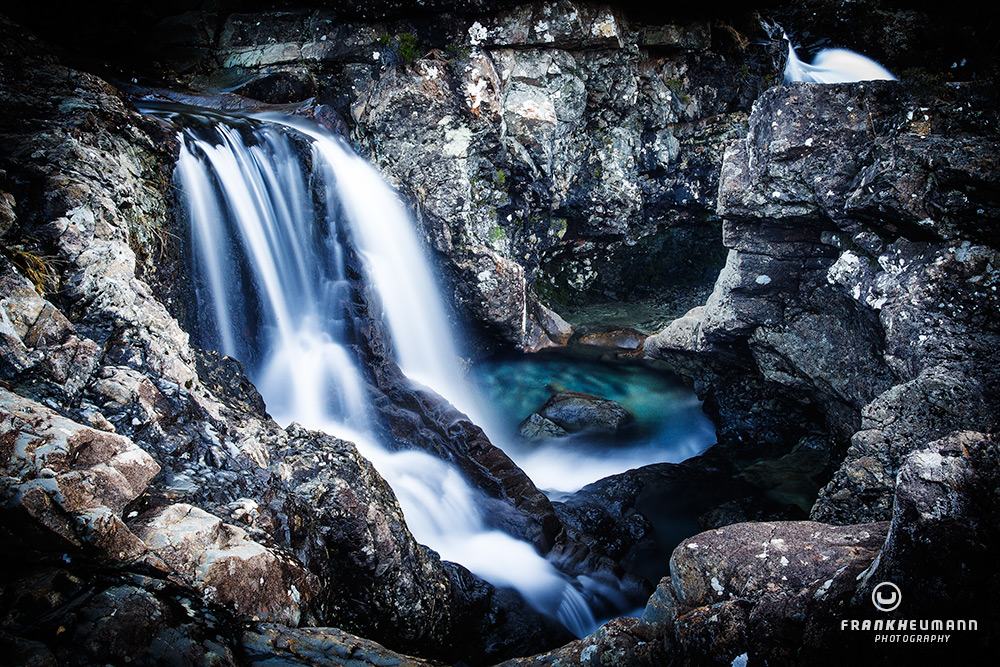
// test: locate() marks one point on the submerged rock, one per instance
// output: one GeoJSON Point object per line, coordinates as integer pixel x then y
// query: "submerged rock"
{"type": "Point", "coordinates": [624, 339]}
{"type": "Point", "coordinates": [537, 427]}
{"type": "Point", "coordinates": [575, 411]}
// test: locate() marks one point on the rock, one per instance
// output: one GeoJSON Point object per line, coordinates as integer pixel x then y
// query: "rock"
{"type": "Point", "coordinates": [537, 427]}
{"type": "Point", "coordinates": [7, 215]}
{"type": "Point", "coordinates": [97, 185]}
{"type": "Point", "coordinates": [575, 411]}
{"type": "Point", "coordinates": [620, 641]}
{"type": "Point", "coordinates": [728, 589]}
{"type": "Point", "coordinates": [279, 88]}
{"type": "Point", "coordinates": [60, 618]}
{"type": "Point", "coordinates": [943, 523]}
{"type": "Point", "coordinates": [376, 581]}
{"type": "Point", "coordinates": [44, 353]}
{"type": "Point", "coordinates": [639, 516]}
{"type": "Point", "coordinates": [624, 339]}
{"type": "Point", "coordinates": [707, 568]}
{"type": "Point", "coordinates": [717, 631]}
{"type": "Point", "coordinates": [225, 565]}
{"type": "Point", "coordinates": [318, 647]}
{"type": "Point", "coordinates": [758, 587]}
{"type": "Point", "coordinates": [833, 307]}
{"type": "Point", "coordinates": [894, 425]}
{"type": "Point", "coordinates": [66, 481]}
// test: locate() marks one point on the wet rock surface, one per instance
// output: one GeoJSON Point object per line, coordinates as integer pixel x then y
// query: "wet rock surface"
{"type": "Point", "coordinates": [574, 412]}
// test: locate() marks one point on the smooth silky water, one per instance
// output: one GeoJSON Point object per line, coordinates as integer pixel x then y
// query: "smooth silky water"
{"type": "Point", "coordinates": [833, 66]}
{"type": "Point", "coordinates": [268, 233]}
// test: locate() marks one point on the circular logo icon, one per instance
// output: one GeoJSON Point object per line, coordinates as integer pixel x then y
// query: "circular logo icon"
{"type": "Point", "coordinates": [886, 596]}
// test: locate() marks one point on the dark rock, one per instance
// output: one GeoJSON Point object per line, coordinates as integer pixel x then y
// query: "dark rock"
{"type": "Point", "coordinates": [944, 525]}
{"type": "Point", "coordinates": [706, 569]}
{"type": "Point", "coordinates": [52, 616]}
{"type": "Point", "coordinates": [639, 516]}
{"type": "Point", "coordinates": [318, 647]}
{"type": "Point", "coordinates": [7, 215]}
{"type": "Point", "coordinates": [346, 527]}
{"type": "Point", "coordinates": [279, 88]}
{"type": "Point", "coordinates": [716, 632]}
{"type": "Point", "coordinates": [862, 329]}
{"type": "Point", "coordinates": [620, 641]}
{"type": "Point", "coordinates": [897, 423]}
{"type": "Point", "coordinates": [575, 411]}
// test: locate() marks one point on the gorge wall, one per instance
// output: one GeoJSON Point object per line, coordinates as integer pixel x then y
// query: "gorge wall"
{"type": "Point", "coordinates": [833, 247]}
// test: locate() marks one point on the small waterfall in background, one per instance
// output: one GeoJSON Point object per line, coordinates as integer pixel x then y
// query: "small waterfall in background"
{"type": "Point", "coordinates": [833, 66]}
{"type": "Point", "coordinates": [268, 236]}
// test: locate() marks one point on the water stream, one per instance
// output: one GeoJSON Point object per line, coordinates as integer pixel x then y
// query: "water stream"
{"type": "Point", "coordinates": [270, 229]}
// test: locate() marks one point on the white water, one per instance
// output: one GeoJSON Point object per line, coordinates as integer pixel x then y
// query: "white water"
{"type": "Point", "coordinates": [833, 66]}
{"type": "Point", "coordinates": [271, 284]}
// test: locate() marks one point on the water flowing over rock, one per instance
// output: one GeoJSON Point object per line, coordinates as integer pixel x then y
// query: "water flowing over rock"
{"type": "Point", "coordinates": [833, 66]}
{"type": "Point", "coordinates": [570, 165]}
{"type": "Point", "coordinates": [110, 343]}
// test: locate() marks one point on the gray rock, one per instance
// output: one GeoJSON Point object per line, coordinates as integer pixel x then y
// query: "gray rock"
{"type": "Point", "coordinates": [943, 521]}
{"type": "Point", "coordinates": [574, 411]}
{"type": "Point", "coordinates": [832, 307]}
{"type": "Point", "coordinates": [705, 568]}
{"type": "Point", "coordinates": [69, 481]}
{"type": "Point", "coordinates": [537, 427]}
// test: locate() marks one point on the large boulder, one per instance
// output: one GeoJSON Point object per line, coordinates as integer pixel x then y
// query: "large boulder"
{"type": "Point", "coordinates": [727, 589]}
{"type": "Point", "coordinates": [225, 565]}
{"type": "Point", "coordinates": [575, 411]}
{"type": "Point", "coordinates": [67, 485]}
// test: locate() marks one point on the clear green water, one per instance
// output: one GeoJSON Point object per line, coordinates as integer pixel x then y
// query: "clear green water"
{"type": "Point", "coordinates": [668, 423]}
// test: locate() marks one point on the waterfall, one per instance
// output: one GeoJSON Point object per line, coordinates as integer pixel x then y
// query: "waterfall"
{"type": "Point", "coordinates": [270, 233]}
{"type": "Point", "coordinates": [833, 66]}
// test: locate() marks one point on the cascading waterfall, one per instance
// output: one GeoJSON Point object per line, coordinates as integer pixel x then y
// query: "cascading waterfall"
{"type": "Point", "coordinates": [833, 66]}
{"type": "Point", "coordinates": [272, 292]}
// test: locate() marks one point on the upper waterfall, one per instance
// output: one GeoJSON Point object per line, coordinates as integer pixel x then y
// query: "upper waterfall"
{"type": "Point", "coordinates": [833, 66]}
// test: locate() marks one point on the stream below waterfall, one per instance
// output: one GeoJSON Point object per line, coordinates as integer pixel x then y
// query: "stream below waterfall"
{"type": "Point", "coordinates": [278, 208]}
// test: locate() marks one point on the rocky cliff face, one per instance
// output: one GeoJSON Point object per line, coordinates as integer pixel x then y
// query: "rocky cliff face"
{"type": "Point", "coordinates": [559, 156]}
{"type": "Point", "coordinates": [861, 272]}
